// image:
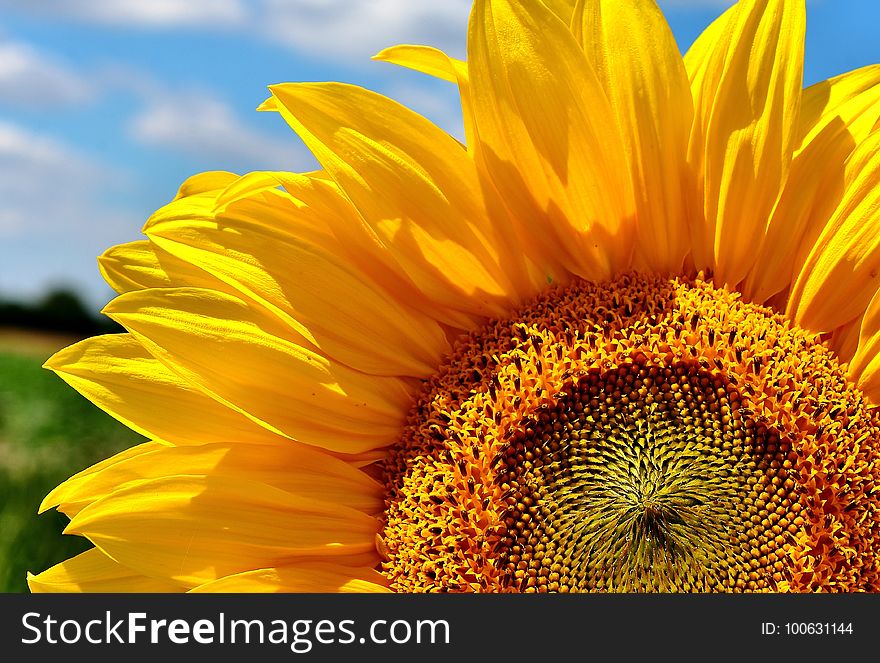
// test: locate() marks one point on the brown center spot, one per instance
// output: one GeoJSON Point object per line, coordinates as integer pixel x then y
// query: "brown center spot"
{"type": "Point", "coordinates": [638, 435]}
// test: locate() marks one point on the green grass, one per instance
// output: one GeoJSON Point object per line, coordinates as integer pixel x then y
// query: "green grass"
{"type": "Point", "coordinates": [47, 433]}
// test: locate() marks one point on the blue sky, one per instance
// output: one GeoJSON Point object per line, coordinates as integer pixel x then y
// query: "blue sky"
{"type": "Point", "coordinates": [107, 105]}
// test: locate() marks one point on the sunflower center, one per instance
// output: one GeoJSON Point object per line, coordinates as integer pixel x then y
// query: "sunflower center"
{"type": "Point", "coordinates": [642, 478]}
{"type": "Point", "coordinates": [638, 435]}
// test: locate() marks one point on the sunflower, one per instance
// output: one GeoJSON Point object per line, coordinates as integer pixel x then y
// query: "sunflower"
{"type": "Point", "coordinates": [624, 338]}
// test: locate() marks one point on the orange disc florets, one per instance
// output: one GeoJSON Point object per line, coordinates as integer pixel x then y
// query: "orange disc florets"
{"type": "Point", "coordinates": [638, 435]}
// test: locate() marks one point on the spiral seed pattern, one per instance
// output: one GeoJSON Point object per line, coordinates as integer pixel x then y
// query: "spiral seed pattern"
{"type": "Point", "coordinates": [638, 435]}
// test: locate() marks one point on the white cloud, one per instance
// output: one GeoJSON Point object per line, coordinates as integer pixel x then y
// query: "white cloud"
{"type": "Point", "coordinates": [54, 216]}
{"type": "Point", "coordinates": [203, 127]}
{"type": "Point", "coordinates": [333, 29]}
{"type": "Point", "coordinates": [361, 28]}
{"type": "Point", "coordinates": [35, 173]}
{"type": "Point", "coordinates": [140, 13]}
{"type": "Point", "coordinates": [29, 77]}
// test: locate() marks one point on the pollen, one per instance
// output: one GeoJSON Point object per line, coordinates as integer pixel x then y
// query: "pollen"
{"type": "Point", "coordinates": [643, 434]}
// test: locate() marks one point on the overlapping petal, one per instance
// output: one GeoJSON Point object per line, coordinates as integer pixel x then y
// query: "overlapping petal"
{"type": "Point", "coordinates": [205, 183]}
{"type": "Point", "coordinates": [204, 528]}
{"type": "Point", "coordinates": [94, 571]}
{"type": "Point", "coordinates": [434, 62]}
{"type": "Point", "coordinates": [837, 115]}
{"type": "Point", "coordinates": [61, 492]}
{"type": "Point", "coordinates": [320, 213]}
{"type": "Point", "coordinates": [292, 467]}
{"type": "Point", "coordinates": [247, 359]}
{"type": "Point", "coordinates": [141, 264]}
{"type": "Point", "coordinates": [118, 375]}
{"type": "Point", "coordinates": [864, 369]}
{"type": "Point", "coordinates": [647, 86]}
{"type": "Point", "coordinates": [315, 292]}
{"type": "Point", "coordinates": [564, 9]}
{"type": "Point", "coordinates": [547, 138]}
{"type": "Point", "coordinates": [836, 282]}
{"type": "Point", "coordinates": [746, 78]}
{"type": "Point", "coordinates": [414, 186]}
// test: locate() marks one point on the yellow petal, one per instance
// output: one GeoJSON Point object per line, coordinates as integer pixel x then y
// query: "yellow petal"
{"type": "Point", "coordinates": [434, 62]}
{"type": "Point", "coordinates": [324, 216]}
{"type": "Point", "coordinates": [118, 375]}
{"type": "Point", "coordinates": [320, 212]}
{"type": "Point", "coordinates": [840, 275]}
{"type": "Point", "coordinates": [192, 530]}
{"type": "Point", "coordinates": [704, 76]}
{"type": "Point", "coordinates": [699, 63]}
{"type": "Point", "coordinates": [141, 264]}
{"type": "Point", "coordinates": [426, 59]}
{"type": "Point", "coordinates": [256, 195]}
{"type": "Point", "coordinates": [206, 182]}
{"type": "Point", "coordinates": [415, 187]}
{"type": "Point", "coordinates": [62, 493]}
{"type": "Point", "coordinates": [93, 571]}
{"type": "Point", "coordinates": [262, 192]}
{"type": "Point", "coordinates": [837, 115]}
{"type": "Point", "coordinates": [844, 340]}
{"type": "Point", "coordinates": [747, 89]}
{"type": "Point", "coordinates": [650, 96]}
{"type": "Point", "coordinates": [246, 359]}
{"type": "Point", "coordinates": [309, 578]}
{"type": "Point", "coordinates": [547, 136]}
{"type": "Point", "coordinates": [864, 369]}
{"type": "Point", "coordinates": [848, 101]}
{"type": "Point", "coordinates": [330, 304]}
{"type": "Point", "coordinates": [292, 467]}
{"type": "Point", "coordinates": [564, 9]}
{"type": "Point", "coordinates": [314, 209]}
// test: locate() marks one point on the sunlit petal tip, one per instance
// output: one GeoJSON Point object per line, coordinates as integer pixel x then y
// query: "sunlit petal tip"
{"type": "Point", "coordinates": [61, 358]}
{"type": "Point", "coordinates": [48, 502]}
{"type": "Point", "coordinates": [270, 104]}
{"type": "Point", "coordinates": [94, 571]}
{"type": "Point", "coordinates": [205, 183]}
{"type": "Point", "coordinates": [426, 59]}
{"type": "Point", "coordinates": [388, 53]}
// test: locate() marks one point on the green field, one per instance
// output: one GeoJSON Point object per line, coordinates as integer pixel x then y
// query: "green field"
{"type": "Point", "coordinates": [47, 433]}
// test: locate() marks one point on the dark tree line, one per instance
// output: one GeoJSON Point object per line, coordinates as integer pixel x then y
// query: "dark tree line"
{"type": "Point", "coordinates": [59, 311]}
